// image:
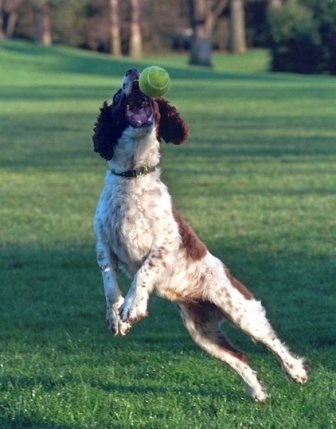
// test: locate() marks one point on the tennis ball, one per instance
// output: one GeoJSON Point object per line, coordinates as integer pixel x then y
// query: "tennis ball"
{"type": "Point", "coordinates": [154, 81]}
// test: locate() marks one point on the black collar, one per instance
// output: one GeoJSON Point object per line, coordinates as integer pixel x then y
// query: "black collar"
{"type": "Point", "coordinates": [142, 171]}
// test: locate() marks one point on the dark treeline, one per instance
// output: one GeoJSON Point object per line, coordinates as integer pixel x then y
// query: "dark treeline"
{"type": "Point", "coordinates": [301, 34]}
{"type": "Point", "coordinates": [109, 25]}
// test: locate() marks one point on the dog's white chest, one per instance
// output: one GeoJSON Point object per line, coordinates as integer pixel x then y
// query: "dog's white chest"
{"type": "Point", "coordinates": [128, 218]}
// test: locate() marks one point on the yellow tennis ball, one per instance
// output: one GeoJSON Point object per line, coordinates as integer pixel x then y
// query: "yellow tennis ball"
{"type": "Point", "coordinates": [154, 81]}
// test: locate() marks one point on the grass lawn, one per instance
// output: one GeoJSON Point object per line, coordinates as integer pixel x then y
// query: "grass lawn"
{"type": "Point", "coordinates": [257, 181]}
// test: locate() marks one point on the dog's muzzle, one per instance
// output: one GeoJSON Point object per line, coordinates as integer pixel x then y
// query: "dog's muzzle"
{"type": "Point", "coordinates": [139, 107]}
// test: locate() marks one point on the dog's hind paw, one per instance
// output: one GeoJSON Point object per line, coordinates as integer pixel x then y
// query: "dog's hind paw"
{"type": "Point", "coordinates": [297, 371]}
{"type": "Point", "coordinates": [258, 393]}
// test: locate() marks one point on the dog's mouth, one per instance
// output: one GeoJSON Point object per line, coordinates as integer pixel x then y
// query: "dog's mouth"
{"type": "Point", "coordinates": [139, 108]}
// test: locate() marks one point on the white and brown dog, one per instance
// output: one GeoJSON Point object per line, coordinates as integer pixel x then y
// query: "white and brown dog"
{"type": "Point", "coordinates": [139, 230]}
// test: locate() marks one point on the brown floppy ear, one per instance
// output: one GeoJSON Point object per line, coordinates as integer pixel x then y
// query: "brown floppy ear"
{"type": "Point", "coordinates": [106, 133]}
{"type": "Point", "coordinates": [171, 127]}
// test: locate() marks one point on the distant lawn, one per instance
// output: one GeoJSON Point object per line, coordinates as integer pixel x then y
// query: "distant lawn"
{"type": "Point", "coordinates": [257, 181]}
{"type": "Point", "coordinates": [254, 61]}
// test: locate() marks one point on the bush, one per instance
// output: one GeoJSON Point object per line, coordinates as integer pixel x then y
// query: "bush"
{"type": "Point", "coordinates": [325, 15]}
{"type": "Point", "coordinates": [295, 39]}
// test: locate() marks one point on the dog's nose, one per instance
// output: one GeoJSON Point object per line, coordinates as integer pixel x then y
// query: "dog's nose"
{"type": "Point", "coordinates": [132, 74]}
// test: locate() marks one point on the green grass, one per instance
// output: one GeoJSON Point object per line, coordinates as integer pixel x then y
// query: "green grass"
{"type": "Point", "coordinates": [257, 181]}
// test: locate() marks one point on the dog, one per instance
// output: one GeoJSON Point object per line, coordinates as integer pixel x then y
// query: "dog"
{"type": "Point", "coordinates": [139, 230]}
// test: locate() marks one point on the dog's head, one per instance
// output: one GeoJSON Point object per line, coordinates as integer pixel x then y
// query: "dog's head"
{"type": "Point", "coordinates": [133, 112]}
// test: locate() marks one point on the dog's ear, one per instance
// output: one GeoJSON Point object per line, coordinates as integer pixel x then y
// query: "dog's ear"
{"type": "Point", "coordinates": [104, 133]}
{"type": "Point", "coordinates": [171, 127]}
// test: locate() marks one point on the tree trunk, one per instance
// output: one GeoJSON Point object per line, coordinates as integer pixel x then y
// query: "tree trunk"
{"type": "Point", "coordinates": [8, 17]}
{"type": "Point", "coordinates": [200, 53]}
{"type": "Point", "coordinates": [135, 42]}
{"type": "Point", "coordinates": [274, 3]}
{"type": "Point", "coordinates": [203, 15]}
{"type": "Point", "coordinates": [115, 46]}
{"type": "Point", "coordinates": [2, 33]}
{"type": "Point", "coordinates": [42, 25]}
{"type": "Point", "coordinates": [237, 26]}
{"type": "Point", "coordinates": [201, 46]}
{"type": "Point", "coordinates": [11, 23]}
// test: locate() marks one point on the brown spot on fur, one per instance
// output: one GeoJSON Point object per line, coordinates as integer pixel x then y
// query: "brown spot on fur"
{"type": "Point", "coordinates": [194, 247]}
{"type": "Point", "coordinates": [205, 316]}
{"type": "Point", "coordinates": [238, 285]}
{"type": "Point", "coordinates": [202, 311]}
{"type": "Point", "coordinates": [225, 343]}
{"type": "Point", "coordinates": [202, 278]}
{"type": "Point", "coordinates": [163, 251]}
{"type": "Point", "coordinates": [155, 192]}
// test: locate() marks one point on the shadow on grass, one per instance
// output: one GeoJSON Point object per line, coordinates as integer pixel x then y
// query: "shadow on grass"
{"type": "Point", "coordinates": [49, 292]}
{"type": "Point", "coordinates": [81, 62]}
{"type": "Point", "coordinates": [52, 324]}
{"type": "Point", "coordinates": [22, 422]}
{"type": "Point", "coordinates": [221, 95]}
{"type": "Point", "coordinates": [63, 141]}
{"type": "Point", "coordinates": [54, 93]}
{"type": "Point", "coordinates": [204, 391]}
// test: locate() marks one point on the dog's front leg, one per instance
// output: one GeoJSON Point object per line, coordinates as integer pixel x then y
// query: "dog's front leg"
{"type": "Point", "coordinates": [108, 264]}
{"type": "Point", "coordinates": [150, 273]}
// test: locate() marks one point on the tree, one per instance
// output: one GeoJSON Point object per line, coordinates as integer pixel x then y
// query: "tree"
{"type": "Point", "coordinates": [237, 27]}
{"type": "Point", "coordinates": [272, 4]}
{"type": "Point", "coordinates": [115, 46]}
{"type": "Point", "coordinates": [203, 14]}
{"type": "Point", "coordinates": [9, 16]}
{"type": "Point", "coordinates": [2, 33]}
{"type": "Point", "coordinates": [72, 22]}
{"type": "Point", "coordinates": [42, 23]}
{"type": "Point", "coordinates": [135, 41]}
{"type": "Point", "coordinates": [295, 39]}
{"type": "Point", "coordinates": [303, 36]}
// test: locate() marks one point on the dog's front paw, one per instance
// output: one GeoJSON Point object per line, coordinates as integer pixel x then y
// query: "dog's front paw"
{"type": "Point", "coordinates": [134, 307]}
{"type": "Point", "coordinates": [114, 322]}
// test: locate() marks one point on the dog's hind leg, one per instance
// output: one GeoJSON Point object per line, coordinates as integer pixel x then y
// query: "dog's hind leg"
{"type": "Point", "coordinates": [201, 320]}
{"type": "Point", "coordinates": [240, 307]}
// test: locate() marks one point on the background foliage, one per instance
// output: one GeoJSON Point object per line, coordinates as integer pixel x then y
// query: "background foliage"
{"type": "Point", "coordinates": [301, 34]}
{"type": "Point", "coordinates": [303, 37]}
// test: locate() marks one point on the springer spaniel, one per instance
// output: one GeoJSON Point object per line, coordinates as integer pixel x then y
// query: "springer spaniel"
{"type": "Point", "coordinates": [139, 230]}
